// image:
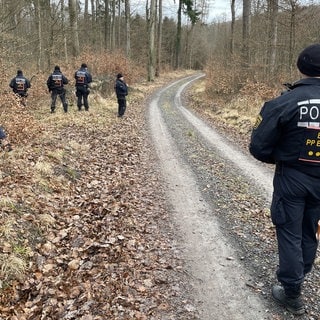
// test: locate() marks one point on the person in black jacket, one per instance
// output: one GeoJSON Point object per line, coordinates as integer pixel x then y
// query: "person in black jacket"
{"type": "Point", "coordinates": [287, 134]}
{"type": "Point", "coordinates": [83, 78]}
{"type": "Point", "coordinates": [121, 90]}
{"type": "Point", "coordinates": [55, 84]}
{"type": "Point", "coordinates": [20, 85]}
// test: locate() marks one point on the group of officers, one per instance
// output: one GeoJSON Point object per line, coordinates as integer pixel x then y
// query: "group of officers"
{"type": "Point", "coordinates": [55, 83]}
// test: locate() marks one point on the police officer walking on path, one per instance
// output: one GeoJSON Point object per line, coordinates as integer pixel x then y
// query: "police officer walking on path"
{"type": "Point", "coordinates": [287, 133]}
{"type": "Point", "coordinates": [83, 78]}
{"type": "Point", "coordinates": [20, 85]}
{"type": "Point", "coordinates": [121, 90]}
{"type": "Point", "coordinates": [55, 84]}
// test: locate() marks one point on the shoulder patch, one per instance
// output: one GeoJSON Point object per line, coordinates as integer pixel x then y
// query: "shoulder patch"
{"type": "Point", "coordinates": [258, 121]}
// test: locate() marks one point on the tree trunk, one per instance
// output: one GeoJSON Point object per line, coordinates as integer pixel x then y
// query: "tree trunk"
{"type": "Point", "coordinates": [113, 25]}
{"type": "Point", "coordinates": [128, 30]}
{"type": "Point", "coordinates": [233, 21]}
{"type": "Point", "coordinates": [293, 4]}
{"type": "Point", "coordinates": [246, 32]}
{"type": "Point", "coordinates": [159, 40]}
{"type": "Point", "coordinates": [273, 35]}
{"type": "Point", "coordinates": [119, 25]}
{"type": "Point", "coordinates": [36, 4]}
{"type": "Point", "coordinates": [106, 24]}
{"type": "Point", "coordinates": [74, 27]}
{"type": "Point", "coordinates": [63, 20]}
{"type": "Point", "coordinates": [151, 46]}
{"type": "Point", "coordinates": [178, 36]}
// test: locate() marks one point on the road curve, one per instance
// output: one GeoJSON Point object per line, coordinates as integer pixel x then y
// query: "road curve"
{"type": "Point", "coordinates": [219, 281]}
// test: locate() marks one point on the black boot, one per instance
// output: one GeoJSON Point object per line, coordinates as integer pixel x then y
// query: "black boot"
{"type": "Point", "coordinates": [293, 304]}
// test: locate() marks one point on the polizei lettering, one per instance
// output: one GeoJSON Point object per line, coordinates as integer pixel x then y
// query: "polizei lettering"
{"type": "Point", "coordinates": [309, 113]}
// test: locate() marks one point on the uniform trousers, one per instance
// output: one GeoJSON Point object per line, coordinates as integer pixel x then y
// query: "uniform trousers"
{"type": "Point", "coordinates": [62, 95]}
{"type": "Point", "coordinates": [295, 211]}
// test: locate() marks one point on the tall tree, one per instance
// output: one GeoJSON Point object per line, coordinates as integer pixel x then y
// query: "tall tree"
{"type": "Point", "coordinates": [151, 17]}
{"type": "Point", "coordinates": [63, 18]}
{"type": "Point", "coordinates": [292, 36]}
{"type": "Point", "coordinates": [113, 25]}
{"type": "Point", "coordinates": [188, 8]}
{"type": "Point", "coordinates": [106, 24]}
{"type": "Point", "coordinates": [233, 21]}
{"type": "Point", "coordinates": [159, 39]}
{"type": "Point", "coordinates": [128, 31]}
{"type": "Point", "coordinates": [119, 24]}
{"type": "Point", "coordinates": [38, 22]}
{"type": "Point", "coordinates": [178, 35]}
{"type": "Point", "coordinates": [246, 15]}
{"type": "Point", "coordinates": [74, 27]}
{"type": "Point", "coordinates": [273, 9]}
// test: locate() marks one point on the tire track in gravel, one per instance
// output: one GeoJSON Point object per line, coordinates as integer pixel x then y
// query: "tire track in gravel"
{"type": "Point", "coordinates": [218, 279]}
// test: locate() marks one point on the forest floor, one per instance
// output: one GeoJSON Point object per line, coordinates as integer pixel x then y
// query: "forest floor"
{"type": "Point", "coordinates": [137, 217]}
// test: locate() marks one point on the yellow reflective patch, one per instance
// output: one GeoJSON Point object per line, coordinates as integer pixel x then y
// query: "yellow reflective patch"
{"type": "Point", "coordinates": [258, 121]}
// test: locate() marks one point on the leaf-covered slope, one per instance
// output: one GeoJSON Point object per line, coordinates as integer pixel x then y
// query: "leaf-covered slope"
{"type": "Point", "coordinates": [85, 231]}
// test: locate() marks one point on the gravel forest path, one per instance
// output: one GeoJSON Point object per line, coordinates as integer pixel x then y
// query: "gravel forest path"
{"type": "Point", "coordinates": [219, 198]}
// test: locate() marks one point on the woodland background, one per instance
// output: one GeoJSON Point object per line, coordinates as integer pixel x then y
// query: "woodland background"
{"type": "Point", "coordinates": [46, 182]}
{"type": "Point", "coordinates": [259, 45]}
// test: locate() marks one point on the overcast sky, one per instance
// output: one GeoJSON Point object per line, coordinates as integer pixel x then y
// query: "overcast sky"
{"type": "Point", "coordinates": [217, 8]}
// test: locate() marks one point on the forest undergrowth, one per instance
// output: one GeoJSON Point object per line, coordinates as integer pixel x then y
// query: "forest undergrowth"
{"type": "Point", "coordinates": [80, 206]}
{"type": "Point", "coordinates": [80, 215]}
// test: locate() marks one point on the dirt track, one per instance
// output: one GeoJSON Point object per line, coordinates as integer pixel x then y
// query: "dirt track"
{"type": "Point", "coordinates": [212, 186]}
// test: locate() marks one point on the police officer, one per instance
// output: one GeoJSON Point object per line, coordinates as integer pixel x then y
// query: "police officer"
{"type": "Point", "coordinates": [121, 90]}
{"type": "Point", "coordinates": [55, 84]}
{"type": "Point", "coordinates": [20, 85]}
{"type": "Point", "coordinates": [83, 78]}
{"type": "Point", "coordinates": [287, 133]}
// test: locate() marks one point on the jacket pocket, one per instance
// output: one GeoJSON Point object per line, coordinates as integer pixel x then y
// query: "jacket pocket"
{"type": "Point", "coordinates": [278, 214]}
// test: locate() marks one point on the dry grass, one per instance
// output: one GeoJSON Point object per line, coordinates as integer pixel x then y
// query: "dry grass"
{"type": "Point", "coordinates": [11, 267]}
{"type": "Point", "coordinates": [233, 100]}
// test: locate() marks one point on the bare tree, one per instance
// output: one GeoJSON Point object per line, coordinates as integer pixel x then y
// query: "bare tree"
{"type": "Point", "coordinates": [151, 16]}
{"type": "Point", "coordinates": [74, 27]}
{"type": "Point", "coordinates": [113, 25]}
{"type": "Point", "coordinates": [128, 31]}
{"type": "Point", "coordinates": [38, 23]}
{"type": "Point", "coordinates": [246, 13]}
{"type": "Point", "coordinates": [178, 35]}
{"type": "Point", "coordinates": [159, 39]}
{"type": "Point", "coordinates": [273, 9]}
{"type": "Point", "coordinates": [63, 18]}
{"type": "Point", "coordinates": [292, 36]}
{"type": "Point", "coordinates": [188, 7]}
{"type": "Point", "coordinates": [233, 21]}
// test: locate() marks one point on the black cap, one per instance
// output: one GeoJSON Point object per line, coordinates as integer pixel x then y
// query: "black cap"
{"type": "Point", "coordinates": [19, 72]}
{"type": "Point", "coordinates": [57, 68]}
{"type": "Point", "coordinates": [309, 61]}
{"type": "Point", "coordinates": [84, 65]}
{"type": "Point", "coordinates": [119, 75]}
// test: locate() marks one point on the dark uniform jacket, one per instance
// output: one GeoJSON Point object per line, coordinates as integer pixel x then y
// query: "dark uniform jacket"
{"type": "Point", "coordinates": [121, 89]}
{"type": "Point", "coordinates": [56, 81]}
{"type": "Point", "coordinates": [83, 77]}
{"type": "Point", "coordinates": [287, 130]}
{"type": "Point", "coordinates": [20, 85]}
